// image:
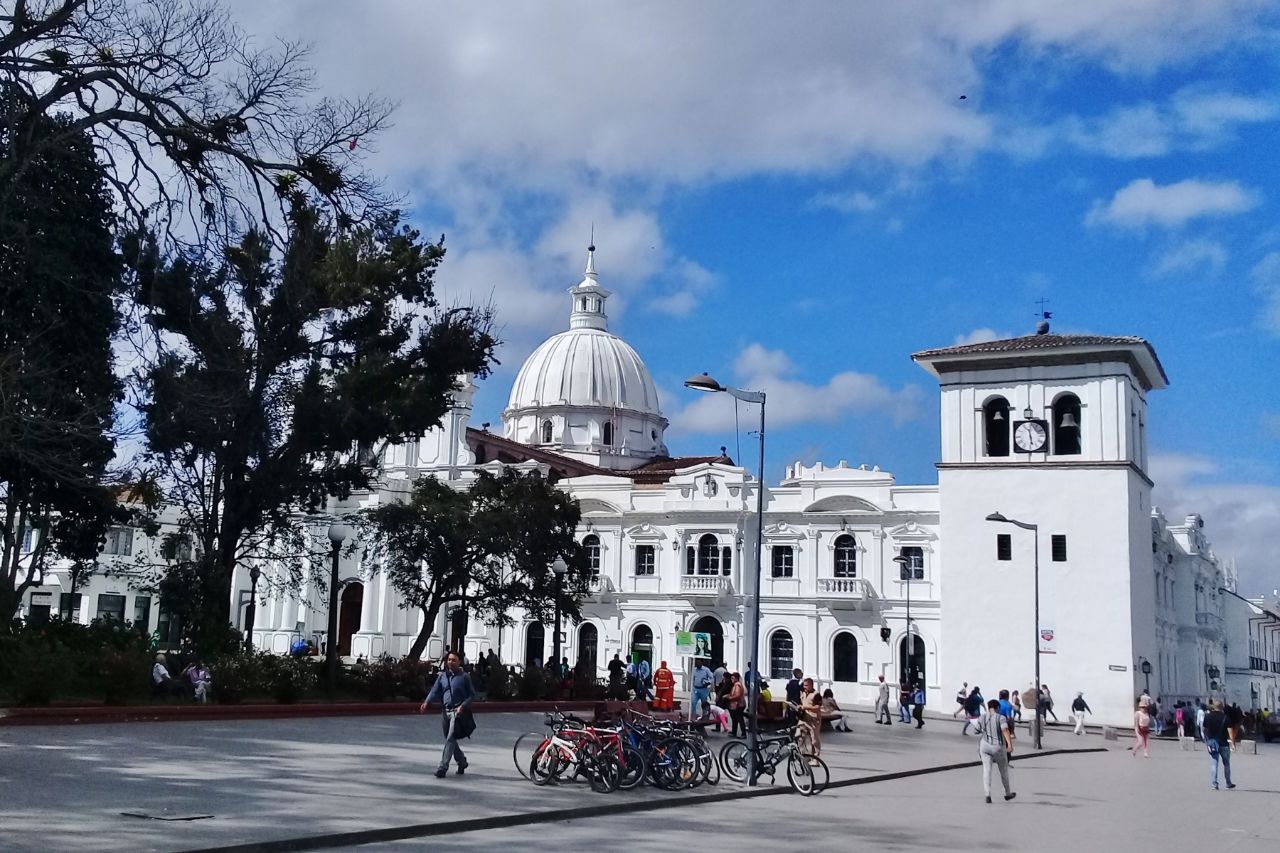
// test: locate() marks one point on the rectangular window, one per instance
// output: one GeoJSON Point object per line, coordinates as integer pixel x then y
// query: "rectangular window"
{"type": "Point", "coordinates": [41, 608]}
{"type": "Point", "coordinates": [111, 607]}
{"type": "Point", "coordinates": [142, 612]}
{"type": "Point", "coordinates": [1004, 546]}
{"type": "Point", "coordinates": [176, 547]}
{"type": "Point", "coordinates": [646, 560]}
{"type": "Point", "coordinates": [28, 540]}
{"type": "Point", "coordinates": [913, 569]}
{"type": "Point", "coordinates": [1058, 546]}
{"type": "Point", "coordinates": [784, 561]}
{"type": "Point", "coordinates": [119, 541]}
{"type": "Point", "coordinates": [69, 607]}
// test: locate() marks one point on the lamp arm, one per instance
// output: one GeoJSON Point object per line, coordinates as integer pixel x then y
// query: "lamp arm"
{"type": "Point", "coordinates": [745, 396]}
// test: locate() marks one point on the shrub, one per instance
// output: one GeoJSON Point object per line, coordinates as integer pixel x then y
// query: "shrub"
{"type": "Point", "coordinates": [235, 677]}
{"type": "Point", "coordinates": [382, 679]}
{"type": "Point", "coordinates": [531, 684]}
{"type": "Point", "coordinates": [499, 687]}
{"type": "Point", "coordinates": [123, 674]}
{"type": "Point", "coordinates": [35, 670]}
{"type": "Point", "coordinates": [289, 679]}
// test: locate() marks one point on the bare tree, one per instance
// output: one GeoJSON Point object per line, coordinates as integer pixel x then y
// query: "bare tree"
{"type": "Point", "coordinates": [201, 131]}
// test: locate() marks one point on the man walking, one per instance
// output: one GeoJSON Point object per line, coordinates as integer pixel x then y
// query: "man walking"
{"type": "Point", "coordinates": [995, 746]}
{"type": "Point", "coordinates": [703, 678]}
{"type": "Point", "coordinates": [917, 701]}
{"type": "Point", "coordinates": [1079, 708]}
{"type": "Point", "coordinates": [1217, 740]}
{"type": "Point", "coordinates": [904, 702]}
{"type": "Point", "coordinates": [961, 695]}
{"type": "Point", "coordinates": [793, 696]}
{"type": "Point", "coordinates": [972, 709]}
{"type": "Point", "coordinates": [882, 705]}
{"type": "Point", "coordinates": [452, 689]}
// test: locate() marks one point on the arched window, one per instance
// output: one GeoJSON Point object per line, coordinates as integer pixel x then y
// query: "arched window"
{"type": "Point", "coordinates": [844, 657]}
{"type": "Point", "coordinates": [607, 434]}
{"type": "Point", "coordinates": [546, 432]}
{"type": "Point", "coordinates": [995, 427]}
{"type": "Point", "coordinates": [588, 641]}
{"type": "Point", "coordinates": [591, 546]}
{"type": "Point", "coordinates": [782, 655]}
{"type": "Point", "coordinates": [642, 643]}
{"type": "Point", "coordinates": [708, 555]}
{"type": "Point", "coordinates": [913, 569]}
{"type": "Point", "coordinates": [846, 557]}
{"type": "Point", "coordinates": [1066, 425]}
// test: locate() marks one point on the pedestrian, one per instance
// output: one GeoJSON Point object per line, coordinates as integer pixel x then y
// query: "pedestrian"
{"type": "Point", "coordinates": [737, 705]}
{"type": "Point", "coordinates": [793, 690]}
{"type": "Point", "coordinates": [453, 689]}
{"type": "Point", "coordinates": [961, 695]}
{"type": "Point", "coordinates": [1046, 704]}
{"type": "Point", "coordinates": [882, 705]}
{"type": "Point", "coordinates": [1017, 705]}
{"type": "Point", "coordinates": [832, 712]}
{"type": "Point", "coordinates": [1201, 712]}
{"type": "Point", "coordinates": [198, 674]}
{"type": "Point", "coordinates": [750, 677]}
{"type": "Point", "coordinates": [702, 681]}
{"type": "Point", "coordinates": [917, 703]}
{"type": "Point", "coordinates": [904, 702]}
{"type": "Point", "coordinates": [972, 710]}
{"type": "Point", "coordinates": [995, 746]}
{"type": "Point", "coordinates": [162, 682]}
{"type": "Point", "coordinates": [1079, 708]}
{"type": "Point", "coordinates": [810, 718]}
{"type": "Point", "coordinates": [664, 685]}
{"type": "Point", "coordinates": [1235, 718]}
{"type": "Point", "coordinates": [1218, 743]}
{"type": "Point", "coordinates": [644, 679]}
{"type": "Point", "coordinates": [719, 674]}
{"type": "Point", "coordinates": [1141, 730]}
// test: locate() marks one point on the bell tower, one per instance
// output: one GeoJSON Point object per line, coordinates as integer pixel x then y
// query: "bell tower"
{"type": "Point", "coordinates": [1049, 431]}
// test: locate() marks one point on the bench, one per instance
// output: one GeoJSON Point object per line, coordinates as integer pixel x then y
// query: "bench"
{"type": "Point", "coordinates": [611, 710]}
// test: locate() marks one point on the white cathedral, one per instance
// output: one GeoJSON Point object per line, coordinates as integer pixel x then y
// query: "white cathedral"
{"type": "Point", "coordinates": [861, 576]}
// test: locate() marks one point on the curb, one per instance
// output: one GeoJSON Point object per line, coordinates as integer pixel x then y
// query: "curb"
{"type": "Point", "coordinates": [182, 713]}
{"type": "Point", "coordinates": [425, 830]}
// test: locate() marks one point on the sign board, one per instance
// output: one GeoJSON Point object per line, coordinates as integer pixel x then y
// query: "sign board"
{"type": "Point", "coordinates": [1115, 667]}
{"type": "Point", "coordinates": [1047, 641]}
{"type": "Point", "coordinates": [693, 644]}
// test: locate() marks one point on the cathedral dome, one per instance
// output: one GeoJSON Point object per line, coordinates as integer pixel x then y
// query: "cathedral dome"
{"type": "Point", "coordinates": [586, 392]}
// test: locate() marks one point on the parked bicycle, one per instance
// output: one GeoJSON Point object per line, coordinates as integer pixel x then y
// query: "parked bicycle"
{"type": "Point", "coordinates": [806, 773]}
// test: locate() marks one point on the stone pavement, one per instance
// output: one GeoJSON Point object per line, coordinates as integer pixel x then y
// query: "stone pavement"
{"type": "Point", "coordinates": [65, 788]}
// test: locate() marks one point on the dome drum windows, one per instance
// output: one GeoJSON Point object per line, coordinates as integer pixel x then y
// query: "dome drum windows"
{"type": "Point", "coordinates": [606, 434]}
{"type": "Point", "coordinates": [546, 432]}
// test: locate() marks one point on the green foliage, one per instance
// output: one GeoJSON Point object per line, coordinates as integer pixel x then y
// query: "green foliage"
{"type": "Point", "coordinates": [288, 678]}
{"type": "Point", "coordinates": [499, 687]}
{"type": "Point", "coordinates": [531, 684]}
{"type": "Point", "coordinates": [276, 366]}
{"type": "Point", "coordinates": [236, 677]}
{"type": "Point", "coordinates": [33, 670]}
{"type": "Point", "coordinates": [65, 660]}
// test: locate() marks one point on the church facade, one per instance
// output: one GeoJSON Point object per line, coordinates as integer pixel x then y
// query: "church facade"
{"type": "Point", "coordinates": [1040, 530]}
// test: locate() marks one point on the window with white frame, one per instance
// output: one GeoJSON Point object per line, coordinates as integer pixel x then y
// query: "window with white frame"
{"type": "Point", "coordinates": [845, 559]}
{"type": "Point", "coordinates": [781, 655]}
{"type": "Point", "coordinates": [784, 561]}
{"type": "Point", "coordinates": [119, 542]}
{"type": "Point", "coordinates": [913, 569]}
{"type": "Point", "coordinates": [646, 560]}
{"type": "Point", "coordinates": [591, 546]}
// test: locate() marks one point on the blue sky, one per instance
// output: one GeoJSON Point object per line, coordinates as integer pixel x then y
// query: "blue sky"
{"type": "Point", "coordinates": [796, 197]}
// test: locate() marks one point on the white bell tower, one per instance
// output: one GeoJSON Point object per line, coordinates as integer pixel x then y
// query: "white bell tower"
{"type": "Point", "coordinates": [1048, 430]}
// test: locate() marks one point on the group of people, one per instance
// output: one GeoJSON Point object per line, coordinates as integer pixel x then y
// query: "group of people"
{"type": "Point", "coordinates": [194, 682]}
{"type": "Point", "coordinates": [911, 699]}
{"type": "Point", "coordinates": [809, 710]}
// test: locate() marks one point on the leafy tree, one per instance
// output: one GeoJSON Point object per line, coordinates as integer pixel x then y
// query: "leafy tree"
{"type": "Point", "coordinates": [190, 117]}
{"type": "Point", "coordinates": [59, 277]}
{"type": "Point", "coordinates": [486, 550]}
{"type": "Point", "coordinates": [273, 370]}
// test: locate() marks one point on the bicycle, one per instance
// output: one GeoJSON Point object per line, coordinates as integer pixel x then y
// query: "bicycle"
{"type": "Point", "coordinates": [806, 773]}
{"type": "Point", "coordinates": [581, 750]}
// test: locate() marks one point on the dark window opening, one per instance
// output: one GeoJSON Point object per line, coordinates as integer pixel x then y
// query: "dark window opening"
{"type": "Point", "coordinates": [591, 545]}
{"type": "Point", "coordinates": [846, 557]}
{"type": "Point", "coordinates": [1004, 546]}
{"type": "Point", "coordinates": [844, 657]}
{"type": "Point", "coordinates": [913, 569]}
{"type": "Point", "coordinates": [607, 435]}
{"type": "Point", "coordinates": [708, 555]}
{"type": "Point", "coordinates": [781, 655]}
{"type": "Point", "coordinates": [995, 427]}
{"type": "Point", "coordinates": [1066, 425]}
{"type": "Point", "coordinates": [784, 561]}
{"type": "Point", "coordinates": [546, 432]}
{"type": "Point", "coordinates": [1058, 544]}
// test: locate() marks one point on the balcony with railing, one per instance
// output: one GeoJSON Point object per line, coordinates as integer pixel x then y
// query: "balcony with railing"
{"type": "Point", "coordinates": [706, 584]}
{"type": "Point", "coordinates": [1208, 622]}
{"type": "Point", "coordinates": [856, 589]}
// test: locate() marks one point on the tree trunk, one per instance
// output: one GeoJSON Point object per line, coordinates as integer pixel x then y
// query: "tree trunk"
{"type": "Point", "coordinates": [428, 628]}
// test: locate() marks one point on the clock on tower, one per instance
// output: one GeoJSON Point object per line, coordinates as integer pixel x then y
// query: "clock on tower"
{"type": "Point", "coordinates": [1030, 436]}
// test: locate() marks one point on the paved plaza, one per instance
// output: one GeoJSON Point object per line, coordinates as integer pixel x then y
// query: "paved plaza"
{"type": "Point", "coordinates": [66, 789]}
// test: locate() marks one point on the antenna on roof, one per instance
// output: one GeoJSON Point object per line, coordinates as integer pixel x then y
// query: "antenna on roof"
{"type": "Point", "coordinates": [1042, 328]}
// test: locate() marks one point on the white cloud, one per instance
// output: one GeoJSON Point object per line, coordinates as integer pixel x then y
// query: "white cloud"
{"type": "Point", "coordinates": [1143, 202]}
{"type": "Point", "coordinates": [848, 202]}
{"type": "Point", "coordinates": [1208, 256]}
{"type": "Point", "coordinates": [689, 281]}
{"type": "Point", "coordinates": [1266, 282]}
{"type": "Point", "coordinates": [980, 336]}
{"type": "Point", "coordinates": [1239, 517]}
{"type": "Point", "coordinates": [792, 401]}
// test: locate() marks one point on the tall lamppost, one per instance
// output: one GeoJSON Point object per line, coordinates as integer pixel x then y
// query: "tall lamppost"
{"type": "Point", "coordinates": [338, 533]}
{"type": "Point", "coordinates": [703, 382]}
{"type": "Point", "coordinates": [251, 611]}
{"type": "Point", "coordinates": [559, 567]}
{"type": "Point", "coordinates": [905, 571]}
{"type": "Point", "coordinates": [1035, 530]}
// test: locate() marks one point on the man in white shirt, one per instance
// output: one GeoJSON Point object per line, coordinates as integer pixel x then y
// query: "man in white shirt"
{"type": "Point", "coordinates": [161, 681]}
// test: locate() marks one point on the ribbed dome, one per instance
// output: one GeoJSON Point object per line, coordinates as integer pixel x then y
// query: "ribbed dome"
{"type": "Point", "coordinates": [585, 367]}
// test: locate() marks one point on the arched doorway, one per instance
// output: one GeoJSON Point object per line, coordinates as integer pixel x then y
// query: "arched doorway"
{"type": "Point", "coordinates": [911, 666]}
{"type": "Point", "coordinates": [352, 602]}
{"type": "Point", "coordinates": [534, 636]}
{"type": "Point", "coordinates": [641, 644]}
{"type": "Point", "coordinates": [588, 640]}
{"type": "Point", "coordinates": [844, 657]}
{"type": "Point", "coordinates": [711, 625]}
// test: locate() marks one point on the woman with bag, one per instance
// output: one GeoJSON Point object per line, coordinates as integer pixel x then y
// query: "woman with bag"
{"type": "Point", "coordinates": [737, 704]}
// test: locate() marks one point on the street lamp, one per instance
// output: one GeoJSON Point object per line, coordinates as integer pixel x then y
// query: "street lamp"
{"type": "Point", "coordinates": [338, 533]}
{"type": "Point", "coordinates": [1146, 675]}
{"type": "Point", "coordinates": [904, 573]}
{"type": "Point", "coordinates": [703, 382]}
{"type": "Point", "coordinates": [559, 567]}
{"type": "Point", "coordinates": [251, 612]}
{"type": "Point", "coordinates": [1035, 530]}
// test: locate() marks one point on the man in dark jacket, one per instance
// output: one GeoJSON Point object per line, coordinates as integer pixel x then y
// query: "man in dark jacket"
{"type": "Point", "coordinates": [1217, 740]}
{"type": "Point", "coordinates": [454, 691]}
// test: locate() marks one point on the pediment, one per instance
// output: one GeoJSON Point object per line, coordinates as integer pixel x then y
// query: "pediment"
{"type": "Point", "coordinates": [598, 507]}
{"type": "Point", "coordinates": [645, 533]}
{"type": "Point", "coordinates": [843, 503]}
{"type": "Point", "coordinates": [912, 531]}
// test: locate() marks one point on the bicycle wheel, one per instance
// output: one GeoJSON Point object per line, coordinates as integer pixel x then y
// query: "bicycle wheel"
{"type": "Point", "coordinates": [674, 764]}
{"type": "Point", "coordinates": [545, 764]}
{"type": "Point", "coordinates": [711, 773]}
{"type": "Point", "coordinates": [733, 760]}
{"type": "Point", "coordinates": [524, 748]}
{"type": "Point", "coordinates": [632, 770]}
{"type": "Point", "coordinates": [807, 773]}
{"type": "Point", "coordinates": [602, 773]}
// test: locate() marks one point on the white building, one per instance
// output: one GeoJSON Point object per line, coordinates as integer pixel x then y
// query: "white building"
{"type": "Point", "coordinates": [1047, 429]}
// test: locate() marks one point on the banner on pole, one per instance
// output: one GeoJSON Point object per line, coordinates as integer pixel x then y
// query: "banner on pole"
{"type": "Point", "coordinates": [693, 644]}
{"type": "Point", "coordinates": [1047, 641]}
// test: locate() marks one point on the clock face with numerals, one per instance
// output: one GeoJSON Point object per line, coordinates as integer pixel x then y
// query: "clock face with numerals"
{"type": "Point", "coordinates": [1030, 436]}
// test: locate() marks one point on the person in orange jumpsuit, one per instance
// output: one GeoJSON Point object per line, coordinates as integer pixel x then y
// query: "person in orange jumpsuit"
{"type": "Point", "coordinates": [664, 688]}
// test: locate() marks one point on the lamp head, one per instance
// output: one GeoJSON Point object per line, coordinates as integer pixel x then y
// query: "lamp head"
{"type": "Point", "coordinates": [559, 566]}
{"type": "Point", "coordinates": [339, 533]}
{"type": "Point", "coordinates": [703, 382]}
{"type": "Point", "coordinates": [995, 516]}
{"type": "Point", "coordinates": [902, 561]}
